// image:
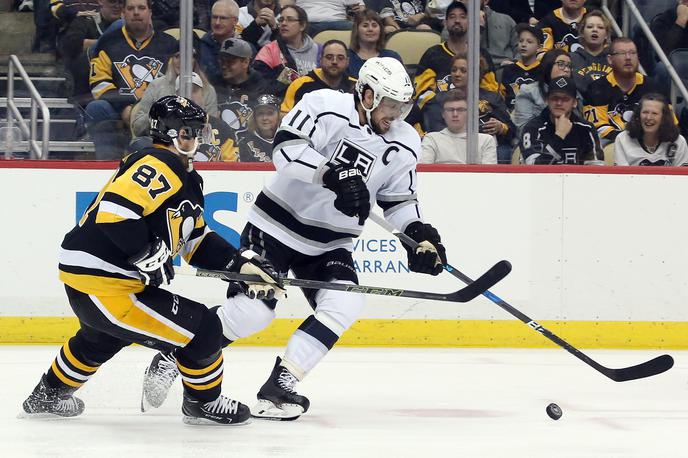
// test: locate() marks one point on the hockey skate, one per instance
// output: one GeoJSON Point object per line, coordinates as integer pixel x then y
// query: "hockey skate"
{"type": "Point", "coordinates": [48, 402]}
{"type": "Point", "coordinates": [277, 399]}
{"type": "Point", "coordinates": [223, 411]}
{"type": "Point", "coordinates": [157, 380]}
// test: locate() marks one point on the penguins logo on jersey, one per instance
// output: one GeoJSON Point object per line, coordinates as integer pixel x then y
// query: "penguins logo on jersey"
{"type": "Point", "coordinates": [521, 80]}
{"type": "Point", "coordinates": [620, 115]}
{"type": "Point", "coordinates": [236, 114]}
{"type": "Point", "coordinates": [181, 222]}
{"type": "Point", "coordinates": [137, 72]}
{"type": "Point", "coordinates": [348, 153]}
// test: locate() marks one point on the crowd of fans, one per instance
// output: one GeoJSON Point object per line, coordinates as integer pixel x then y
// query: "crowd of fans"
{"type": "Point", "coordinates": [556, 87]}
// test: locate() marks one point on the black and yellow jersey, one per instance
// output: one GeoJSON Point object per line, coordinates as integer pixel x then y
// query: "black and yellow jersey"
{"type": "Point", "coordinates": [609, 108]}
{"type": "Point", "coordinates": [122, 68]}
{"type": "Point", "coordinates": [66, 10]}
{"type": "Point", "coordinates": [515, 75]}
{"type": "Point", "coordinates": [254, 148]}
{"type": "Point", "coordinates": [151, 195]}
{"type": "Point", "coordinates": [557, 32]}
{"type": "Point", "coordinates": [309, 83]}
{"type": "Point", "coordinates": [434, 71]}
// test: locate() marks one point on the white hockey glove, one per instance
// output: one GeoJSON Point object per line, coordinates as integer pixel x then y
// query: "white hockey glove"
{"type": "Point", "coordinates": [154, 264]}
{"type": "Point", "coordinates": [248, 262]}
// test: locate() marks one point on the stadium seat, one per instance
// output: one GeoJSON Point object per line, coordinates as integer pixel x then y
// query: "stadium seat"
{"type": "Point", "coordinates": [175, 32]}
{"type": "Point", "coordinates": [411, 44]}
{"type": "Point", "coordinates": [679, 60]}
{"type": "Point", "coordinates": [516, 156]}
{"type": "Point", "coordinates": [327, 35]}
{"type": "Point", "coordinates": [609, 154]}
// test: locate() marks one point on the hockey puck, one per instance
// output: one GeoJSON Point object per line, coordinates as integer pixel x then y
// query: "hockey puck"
{"type": "Point", "coordinates": [554, 411]}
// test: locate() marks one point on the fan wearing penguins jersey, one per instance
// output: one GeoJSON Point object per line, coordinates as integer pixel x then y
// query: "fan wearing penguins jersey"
{"type": "Point", "coordinates": [335, 155]}
{"type": "Point", "coordinates": [120, 253]}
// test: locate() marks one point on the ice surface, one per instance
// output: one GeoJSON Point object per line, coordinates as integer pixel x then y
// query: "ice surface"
{"type": "Point", "coordinates": [371, 402]}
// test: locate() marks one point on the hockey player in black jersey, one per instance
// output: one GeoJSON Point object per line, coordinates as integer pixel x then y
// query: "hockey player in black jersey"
{"type": "Point", "coordinates": [335, 155]}
{"type": "Point", "coordinates": [120, 253]}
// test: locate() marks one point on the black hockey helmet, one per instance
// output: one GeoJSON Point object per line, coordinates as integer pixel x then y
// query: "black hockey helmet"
{"type": "Point", "coordinates": [173, 114]}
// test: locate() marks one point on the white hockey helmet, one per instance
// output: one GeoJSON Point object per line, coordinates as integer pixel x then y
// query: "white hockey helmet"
{"type": "Point", "coordinates": [387, 77]}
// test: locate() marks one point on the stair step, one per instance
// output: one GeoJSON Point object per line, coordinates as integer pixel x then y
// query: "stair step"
{"type": "Point", "coordinates": [17, 32]}
{"type": "Point", "coordinates": [25, 102]}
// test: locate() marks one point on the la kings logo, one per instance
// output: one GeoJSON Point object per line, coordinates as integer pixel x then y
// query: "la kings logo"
{"type": "Point", "coordinates": [137, 72]}
{"type": "Point", "coordinates": [348, 153]}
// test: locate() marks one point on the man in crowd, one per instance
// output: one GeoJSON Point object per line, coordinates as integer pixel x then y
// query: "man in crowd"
{"type": "Point", "coordinates": [123, 64]}
{"type": "Point", "coordinates": [332, 74]}
{"type": "Point", "coordinates": [557, 135]}
{"type": "Point", "coordinates": [497, 34]}
{"type": "Point", "coordinates": [609, 101]}
{"type": "Point", "coordinates": [223, 25]}
{"type": "Point", "coordinates": [560, 27]}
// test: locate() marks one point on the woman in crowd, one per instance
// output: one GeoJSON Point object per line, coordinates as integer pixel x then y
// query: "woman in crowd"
{"type": "Point", "coordinates": [255, 143]}
{"type": "Point", "coordinates": [530, 100]}
{"type": "Point", "coordinates": [367, 40]}
{"type": "Point", "coordinates": [589, 60]}
{"type": "Point", "coordinates": [166, 85]}
{"type": "Point", "coordinates": [292, 54]}
{"type": "Point", "coordinates": [651, 136]}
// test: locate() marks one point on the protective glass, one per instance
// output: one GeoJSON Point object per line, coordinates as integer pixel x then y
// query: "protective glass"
{"type": "Point", "coordinates": [394, 109]}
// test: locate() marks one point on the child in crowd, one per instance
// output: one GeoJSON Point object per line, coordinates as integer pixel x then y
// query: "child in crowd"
{"type": "Point", "coordinates": [527, 68]}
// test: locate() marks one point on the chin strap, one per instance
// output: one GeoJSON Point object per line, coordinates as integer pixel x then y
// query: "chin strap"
{"type": "Point", "coordinates": [189, 154]}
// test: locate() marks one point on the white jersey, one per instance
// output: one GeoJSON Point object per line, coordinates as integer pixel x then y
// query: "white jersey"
{"type": "Point", "coordinates": [323, 127]}
{"type": "Point", "coordinates": [628, 151]}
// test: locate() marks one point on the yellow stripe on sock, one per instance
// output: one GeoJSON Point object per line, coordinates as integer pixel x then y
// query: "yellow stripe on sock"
{"type": "Point", "coordinates": [207, 386]}
{"type": "Point", "coordinates": [63, 377]}
{"type": "Point", "coordinates": [75, 362]}
{"type": "Point", "coordinates": [205, 370]}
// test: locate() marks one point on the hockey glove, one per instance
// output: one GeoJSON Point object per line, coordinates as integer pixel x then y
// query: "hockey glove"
{"type": "Point", "coordinates": [154, 264]}
{"type": "Point", "coordinates": [248, 262]}
{"type": "Point", "coordinates": [429, 256]}
{"type": "Point", "coordinates": [353, 198]}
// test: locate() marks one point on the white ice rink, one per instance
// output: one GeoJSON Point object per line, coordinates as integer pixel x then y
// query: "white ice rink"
{"type": "Point", "coordinates": [372, 403]}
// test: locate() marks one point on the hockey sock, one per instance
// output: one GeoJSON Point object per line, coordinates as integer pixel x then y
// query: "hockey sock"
{"type": "Point", "coordinates": [202, 379]}
{"type": "Point", "coordinates": [70, 369]}
{"type": "Point", "coordinates": [309, 344]}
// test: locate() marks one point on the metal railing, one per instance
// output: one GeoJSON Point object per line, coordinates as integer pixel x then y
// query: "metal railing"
{"type": "Point", "coordinates": [28, 131]}
{"type": "Point", "coordinates": [630, 8]}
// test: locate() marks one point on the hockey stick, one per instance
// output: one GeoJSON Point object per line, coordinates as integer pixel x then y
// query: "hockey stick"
{"type": "Point", "coordinates": [647, 369]}
{"type": "Point", "coordinates": [470, 292]}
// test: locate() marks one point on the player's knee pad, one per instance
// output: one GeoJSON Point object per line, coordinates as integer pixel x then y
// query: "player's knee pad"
{"type": "Point", "coordinates": [207, 340]}
{"type": "Point", "coordinates": [338, 310]}
{"type": "Point", "coordinates": [242, 317]}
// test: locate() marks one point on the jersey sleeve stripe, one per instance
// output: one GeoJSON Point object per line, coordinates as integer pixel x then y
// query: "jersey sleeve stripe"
{"type": "Point", "coordinates": [110, 212]}
{"type": "Point", "coordinates": [89, 261]}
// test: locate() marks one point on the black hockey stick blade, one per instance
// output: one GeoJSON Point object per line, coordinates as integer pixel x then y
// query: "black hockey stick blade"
{"type": "Point", "coordinates": [647, 369]}
{"type": "Point", "coordinates": [466, 294]}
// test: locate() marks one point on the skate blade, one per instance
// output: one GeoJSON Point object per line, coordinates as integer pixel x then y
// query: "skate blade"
{"type": "Point", "coordinates": [267, 410]}
{"type": "Point", "coordinates": [195, 421]}
{"type": "Point", "coordinates": [42, 416]}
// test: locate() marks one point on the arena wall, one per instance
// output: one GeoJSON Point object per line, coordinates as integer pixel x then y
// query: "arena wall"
{"type": "Point", "coordinates": [599, 254]}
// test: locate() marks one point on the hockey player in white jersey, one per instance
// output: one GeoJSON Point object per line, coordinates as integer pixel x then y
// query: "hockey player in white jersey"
{"type": "Point", "coordinates": [334, 153]}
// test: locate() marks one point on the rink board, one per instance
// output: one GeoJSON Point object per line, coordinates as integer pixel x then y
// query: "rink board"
{"type": "Point", "coordinates": [599, 254]}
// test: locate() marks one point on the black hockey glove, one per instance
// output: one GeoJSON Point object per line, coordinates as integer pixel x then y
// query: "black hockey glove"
{"type": "Point", "coordinates": [353, 198]}
{"type": "Point", "coordinates": [429, 256]}
{"type": "Point", "coordinates": [154, 264]}
{"type": "Point", "coordinates": [248, 262]}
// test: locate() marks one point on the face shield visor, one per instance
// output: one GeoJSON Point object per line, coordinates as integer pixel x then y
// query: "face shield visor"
{"type": "Point", "coordinates": [394, 109]}
{"type": "Point", "coordinates": [189, 138]}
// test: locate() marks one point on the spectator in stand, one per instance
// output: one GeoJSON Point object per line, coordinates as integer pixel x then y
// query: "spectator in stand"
{"type": "Point", "coordinates": [497, 34]}
{"type": "Point", "coordinates": [558, 135]}
{"type": "Point", "coordinates": [76, 39]}
{"type": "Point", "coordinates": [329, 14]}
{"type": "Point", "coordinates": [203, 9]}
{"type": "Point", "coordinates": [123, 65]}
{"type": "Point", "coordinates": [259, 22]}
{"type": "Point", "coordinates": [610, 101]}
{"type": "Point", "coordinates": [493, 116]}
{"type": "Point", "coordinates": [518, 10]}
{"type": "Point", "coordinates": [404, 14]}
{"type": "Point", "coordinates": [291, 55]}
{"type": "Point", "coordinates": [241, 84]}
{"type": "Point", "coordinates": [448, 146]}
{"type": "Point", "coordinates": [223, 25]}
{"type": "Point", "coordinates": [526, 69]}
{"type": "Point", "coordinates": [255, 143]}
{"type": "Point", "coordinates": [434, 69]}
{"type": "Point", "coordinates": [169, 85]}
{"type": "Point", "coordinates": [530, 100]}
{"type": "Point", "coordinates": [671, 33]}
{"type": "Point", "coordinates": [367, 40]}
{"type": "Point", "coordinates": [589, 60]}
{"type": "Point", "coordinates": [651, 136]}
{"type": "Point", "coordinates": [331, 74]}
{"type": "Point", "coordinates": [542, 8]}
{"type": "Point", "coordinates": [560, 27]}
{"type": "Point", "coordinates": [46, 27]}
{"type": "Point", "coordinates": [66, 10]}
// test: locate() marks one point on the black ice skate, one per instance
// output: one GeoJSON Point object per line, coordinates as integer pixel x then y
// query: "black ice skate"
{"type": "Point", "coordinates": [48, 402]}
{"type": "Point", "coordinates": [158, 379]}
{"type": "Point", "coordinates": [223, 411]}
{"type": "Point", "coordinates": [277, 399]}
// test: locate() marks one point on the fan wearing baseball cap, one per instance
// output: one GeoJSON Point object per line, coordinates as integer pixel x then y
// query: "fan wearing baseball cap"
{"type": "Point", "coordinates": [558, 135]}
